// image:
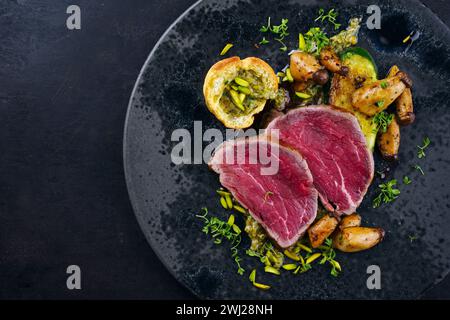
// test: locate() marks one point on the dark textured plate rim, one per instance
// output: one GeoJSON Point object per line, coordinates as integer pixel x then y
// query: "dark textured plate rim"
{"type": "Point", "coordinates": [126, 165]}
{"type": "Point", "coordinates": [131, 193]}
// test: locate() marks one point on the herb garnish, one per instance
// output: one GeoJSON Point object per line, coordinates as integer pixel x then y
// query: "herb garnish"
{"type": "Point", "coordinates": [384, 84]}
{"type": "Point", "coordinates": [421, 152]}
{"type": "Point", "coordinates": [412, 238]}
{"type": "Point", "coordinates": [406, 180]}
{"type": "Point", "coordinates": [328, 254]}
{"type": "Point", "coordinates": [280, 30]}
{"type": "Point", "coordinates": [382, 121]}
{"type": "Point", "coordinates": [264, 41]}
{"type": "Point", "coordinates": [330, 16]}
{"type": "Point", "coordinates": [380, 103]}
{"type": "Point", "coordinates": [388, 193]}
{"type": "Point", "coordinates": [223, 230]}
{"type": "Point", "coordinates": [419, 168]}
{"type": "Point", "coordinates": [315, 40]}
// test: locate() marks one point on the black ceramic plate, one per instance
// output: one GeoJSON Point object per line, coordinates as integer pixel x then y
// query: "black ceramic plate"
{"type": "Point", "coordinates": [168, 95]}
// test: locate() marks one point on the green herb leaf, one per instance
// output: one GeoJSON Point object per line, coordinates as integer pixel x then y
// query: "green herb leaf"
{"type": "Point", "coordinates": [421, 149]}
{"type": "Point", "coordinates": [222, 230]}
{"type": "Point", "coordinates": [382, 120]}
{"type": "Point", "coordinates": [406, 180]}
{"type": "Point", "coordinates": [419, 168]}
{"type": "Point", "coordinates": [331, 16]}
{"type": "Point", "coordinates": [315, 40]}
{"type": "Point", "coordinates": [388, 193]}
{"type": "Point", "coordinates": [380, 103]}
{"type": "Point", "coordinates": [265, 28]}
{"type": "Point", "coordinates": [384, 84]}
{"type": "Point", "coordinates": [264, 41]}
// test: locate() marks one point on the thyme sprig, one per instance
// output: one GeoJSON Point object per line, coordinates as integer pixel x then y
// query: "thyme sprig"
{"type": "Point", "coordinates": [223, 230]}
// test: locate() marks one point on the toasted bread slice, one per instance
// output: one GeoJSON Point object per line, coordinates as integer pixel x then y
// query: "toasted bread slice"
{"type": "Point", "coordinates": [263, 86]}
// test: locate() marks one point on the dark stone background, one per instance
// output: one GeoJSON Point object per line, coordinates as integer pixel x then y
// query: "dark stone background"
{"type": "Point", "coordinates": [63, 199]}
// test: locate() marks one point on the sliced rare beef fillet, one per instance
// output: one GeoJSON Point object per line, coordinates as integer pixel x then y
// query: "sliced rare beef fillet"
{"type": "Point", "coordinates": [331, 142]}
{"type": "Point", "coordinates": [280, 195]}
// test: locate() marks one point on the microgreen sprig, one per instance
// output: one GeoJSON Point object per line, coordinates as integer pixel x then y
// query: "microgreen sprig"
{"type": "Point", "coordinates": [223, 230]}
{"type": "Point", "coordinates": [388, 193]}
{"type": "Point", "coordinates": [331, 16]}
{"type": "Point", "coordinates": [421, 149]}
{"type": "Point", "coordinates": [382, 120]}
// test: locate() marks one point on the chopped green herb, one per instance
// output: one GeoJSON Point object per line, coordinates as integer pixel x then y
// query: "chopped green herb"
{"type": "Point", "coordinates": [382, 120]}
{"type": "Point", "coordinates": [328, 254]}
{"type": "Point", "coordinates": [266, 28]}
{"type": "Point", "coordinates": [388, 193]}
{"type": "Point", "coordinates": [281, 31]}
{"type": "Point", "coordinates": [384, 84]}
{"type": "Point", "coordinates": [419, 168]}
{"type": "Point", "coordinates": [221, 230]}
{"type": "Point", "coordinates": [330, 16]}
{"type": "Point", "coordinates": [380, 103]}
{"type": "Point", "coordinates": [226, 49]}
{"type": "Point", "coordinates": [421, 152]}
{"type": "Point", "coordinates": [412, 238]}
{"type": "Point", "coordinates": [264, 41]}
{"type": "Point", "coordinates": [406, 180]}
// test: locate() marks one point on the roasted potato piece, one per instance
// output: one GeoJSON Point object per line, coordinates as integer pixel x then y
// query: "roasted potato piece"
{"type": "Point", "coordinates": [303, 66]}
{"type": "Point", "coordinates": [353, 220]}
{"type": "Point", "coordinates": [321, 230]}
{"type": "Point", "coordinates": [404, 103]}
{"type": "Point", "coordinates": [377, 96]}
{"type": "Point", "coordinates": [389, 141]}
{"type": "Point", "coordinates": [354, 239]}
{"type": "Point", "coordinates": [330, 60]}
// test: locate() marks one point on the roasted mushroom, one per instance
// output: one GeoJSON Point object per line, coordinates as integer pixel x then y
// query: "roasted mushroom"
{"type": "Point", "coordinates": [377, 96]}
{"type": "Point", "coordinates": [330, 60]}
{"type": "Point", "coordinates": [404, 103]}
